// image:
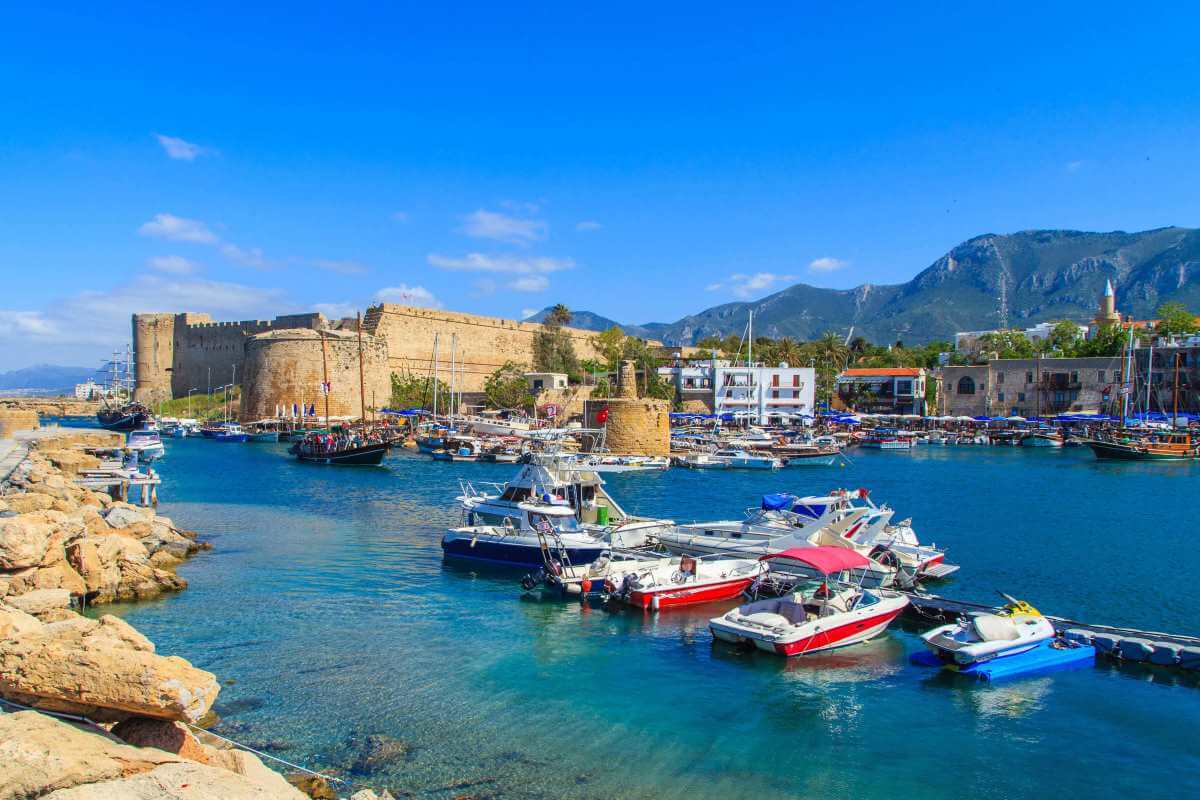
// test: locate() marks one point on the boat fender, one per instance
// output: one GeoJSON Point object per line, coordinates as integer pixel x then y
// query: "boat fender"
{"type": "Point", "coordinates": [586, 585]}
{"type": "Point", "coordinates": [654, 603]}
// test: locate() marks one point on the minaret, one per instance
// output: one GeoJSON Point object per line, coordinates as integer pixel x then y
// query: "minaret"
{"type": "Point", "coordinates": [1107, 314]}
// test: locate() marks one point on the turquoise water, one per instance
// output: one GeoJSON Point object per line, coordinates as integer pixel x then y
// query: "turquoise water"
{"type": "Point", "coordinates": [326, 603]}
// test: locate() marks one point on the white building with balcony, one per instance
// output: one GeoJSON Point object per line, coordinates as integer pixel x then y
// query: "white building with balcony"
{"type": "Point", "coordinates": [759, 393]}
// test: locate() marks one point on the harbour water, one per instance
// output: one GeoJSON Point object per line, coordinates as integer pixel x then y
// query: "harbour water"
{"type": "Point", "coordinates": [326, 605]}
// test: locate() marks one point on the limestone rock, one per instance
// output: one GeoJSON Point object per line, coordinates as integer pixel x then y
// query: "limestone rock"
{"type": "Point", "coordinates": [172, 737]}
{"type": "Point", "coordinates": [122, 515]}
{"type": "Point", "coordinates": [250, 766]}
{"type": "Point", "coordinates": [378, 751]}
{"type": "Point", "coordinates": [59, 575]}
{"type": "Point", "coordinates": [104, 670]}
{"type": "Point", "coordinates": [165, 560]}
{"type": "Point", "coordinates": [14, 622]}
{"type": "Point", "coordinates": [312, 786]}
{"type": "Point", "coordinates": [72, 461]}
{"type": "Point", "coordinates": [23, 540]}
{"type": "Point", "coordinates": [30, 501]}
{"type": "Point", "coordinates": [41, 754]}
{"type": "Point", "coordinates": [183, 780]}
{"type": "Point", "coordinates": [42, 601]}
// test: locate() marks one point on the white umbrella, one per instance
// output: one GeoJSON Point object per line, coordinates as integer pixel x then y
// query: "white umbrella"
{"type": "Point", "coordinates": [1016, 419]}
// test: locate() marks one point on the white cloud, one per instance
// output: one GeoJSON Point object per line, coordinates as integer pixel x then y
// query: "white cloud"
{"type": "Point", "coordinates": [247, 258]}
{"type": "Point", "coordinates": [18, 325]}
{"type": "Point", "coordinates": [502, 227]}
{"type": "Point", "coordinates": [336, 310]}
{"type": "Point", "coordinates": [179, 149]}
{"type": "Point", "coordinates": [408, 296]}
{"type": "Point", "coordinates": [744, 286]}
{"type": "Point", "coordinates": [400, 216]}
{"type": "Point", "coordinates": [530, 283]}
{"type": "Point", "coordinates": [827, 264]}
{"type": "Point", "coordinates": [1074, 166]}
{"type": "Point", "coordinates": [588, 225]}
{"type": "Point", "coordinates": [526, 313]}
{"type": "Point", "coordinates": [342, 267]}
{"type": "Point", "coordinates": [480, 262]}
{"type": "Point", "coordinates": [178, 229]}
{"type": "Point", "coordinates": [173, 265]}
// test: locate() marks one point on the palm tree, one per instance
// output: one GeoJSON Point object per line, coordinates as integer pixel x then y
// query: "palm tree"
{"type": "Point", "coordinates": [833, 351]}
{"type": "Point", "coordinates": [559, 315]}
{"type": "Point", "coordinates": [786, 349]}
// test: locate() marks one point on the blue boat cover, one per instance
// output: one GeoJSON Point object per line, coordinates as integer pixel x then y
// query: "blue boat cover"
{"type": "Point", "coordinates": [776, 502]}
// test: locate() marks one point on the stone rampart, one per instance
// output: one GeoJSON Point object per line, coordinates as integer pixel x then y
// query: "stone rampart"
{"type": "Point", "coordinates": [484, 343]}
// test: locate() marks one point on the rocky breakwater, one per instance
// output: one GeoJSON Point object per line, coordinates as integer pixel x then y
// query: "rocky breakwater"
{"type": "Point", "coordinates": [128, 709]}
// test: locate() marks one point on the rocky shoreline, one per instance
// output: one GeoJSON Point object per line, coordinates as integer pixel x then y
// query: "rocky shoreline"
{"type": "Point", "coordinates": [94, 711]}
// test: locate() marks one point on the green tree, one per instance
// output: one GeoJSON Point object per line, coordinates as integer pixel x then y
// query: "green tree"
{"type": "Point", "coordinates": [1005, 344]}
{"type": "Point", "coordinates": [416, 391]}
{"type": "Point", "coordinates": [1110, 340]}
{"type": "Point", "coordinates": [1175, 318]}
{"type": "Point", "coordinates": [610, 345]}
{"type": "Point", "coordinates": [1064, 338]}
{"type": "Point", "coordinates": [507, 387]}
{"type": "Point", "coordinates": [833, 351]}
{"type": "Point", "coordinates": [553, 350]}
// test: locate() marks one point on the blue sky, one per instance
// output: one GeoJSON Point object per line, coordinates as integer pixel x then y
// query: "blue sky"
{"type": "Point", "coordinates": [642, 163]}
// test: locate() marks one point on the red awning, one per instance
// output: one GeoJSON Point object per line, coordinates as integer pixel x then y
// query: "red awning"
{"type": "Point", "coordinates": [826, 560]}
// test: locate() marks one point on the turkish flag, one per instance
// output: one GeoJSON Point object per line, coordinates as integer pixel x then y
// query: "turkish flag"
{"type": "Point", "coordinates": [602, 416]}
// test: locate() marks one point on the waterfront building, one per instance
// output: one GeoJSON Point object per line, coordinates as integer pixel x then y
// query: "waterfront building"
{"type": "Point", "coordinates": [1027, 387]}
{"type": "Point", "coordinates": [891, 390]}
{"type": "Point", "coordinates": [540, 381]}
{"type": "Point", "coordinates": [756, 392]}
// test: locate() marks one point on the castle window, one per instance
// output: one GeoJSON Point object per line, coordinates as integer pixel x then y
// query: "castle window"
{"type": "Point", "coordinates": [1029, 377]}
{"type": "Point", "coordinates": [1100, 376]}
{"type": "Point", "coordinates": [966, 385]}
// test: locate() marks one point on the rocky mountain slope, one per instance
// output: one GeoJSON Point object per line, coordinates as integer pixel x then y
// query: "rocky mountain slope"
{"type": "Point", "coordinates": [992, 280]}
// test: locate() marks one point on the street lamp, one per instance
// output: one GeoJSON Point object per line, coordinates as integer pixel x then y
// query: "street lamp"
{"type": "Point", "coordinates": [190, 402]}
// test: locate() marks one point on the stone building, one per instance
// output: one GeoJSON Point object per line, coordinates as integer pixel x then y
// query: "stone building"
{"type": "Point", "coordinates": [883, 390]}
{"type": "Point", "coordinates": [633, 425]}
{"type": "Point", "coordinates": [1028, 387]}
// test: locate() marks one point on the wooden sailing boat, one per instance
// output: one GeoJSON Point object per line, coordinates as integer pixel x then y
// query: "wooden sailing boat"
{"type": "Point", "coordinates": [326, 448]}
{"type": "Point", "coordinates": [1136, 445]}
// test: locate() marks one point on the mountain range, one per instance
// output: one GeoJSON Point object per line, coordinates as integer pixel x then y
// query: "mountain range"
{"type": "Point", "coordinates": [990, 281]}
{"type": "Point", "coordinates": [45, 377]}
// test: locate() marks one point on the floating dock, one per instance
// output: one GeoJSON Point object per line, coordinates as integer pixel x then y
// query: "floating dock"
{"type": "Point", "coordinates": [1123, 644]}
{"type": "Point", "coordinates": [1048, 656]}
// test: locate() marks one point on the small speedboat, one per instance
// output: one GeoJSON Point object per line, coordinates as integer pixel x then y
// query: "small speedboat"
{"type": "Point", "coordinates": [822, 614]}
{"type": "Point", "coordinates": [231, 432]}
{"type": "Point", "coordinates": [702, 461]}
{"type": "Point", "coordinates": [743, 459]}
{"type": "Point", "coordinates": [1017, 628]}
{"type": "Point", "coordinates": [532, 533]}
{"type": "Point", "coordinates": [147, 443]}
{"type": "Point", "coordinates": [685, 581]}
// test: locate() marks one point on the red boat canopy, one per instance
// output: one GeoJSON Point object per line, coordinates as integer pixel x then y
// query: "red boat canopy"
{"type": "Point", "coordinates": [826, 560]}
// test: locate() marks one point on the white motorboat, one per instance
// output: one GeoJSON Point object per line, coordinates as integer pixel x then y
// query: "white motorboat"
{"type": "Point", "coordinates": [685, 580]}
{"type": "Point", "coordinates": [748, 439]}
{"type": "Point", "coordinates": [146, 443]}
{"type": "Point", "coordinates": [533, 532]}
{"type": "Point", "coordinates": [605, 462]}
{"type": "Point", "coordinates": [494, 424]}
{"type": "Point", "coordinates": [831, 612]}
{"type": "Point", "coordinates": [558, 479]}
{"type": "Point", "coordinates": [1018, 627]}
{"type": "Point", "coordinates": [744, 459]}
{"type": "Point", "coordinates": [702, 461]}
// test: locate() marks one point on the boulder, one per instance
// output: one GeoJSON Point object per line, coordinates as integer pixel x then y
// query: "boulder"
{"type": "Point", "coordinates": [15, 622]}
{"type": "Point", "coordinates": [312, 786]}
{"type": "Point", "coordinates": [84, 557]}
{"type": "Point", "coordinates": [250, 766]}
{"type": "Point", "coordinates": [122, 515]}
{"type": "Point", "coordinates": [184, 780]}
{"type": "Point", "coordinates": [104, 670]}
{"type": "Point", "coordinates": [41, 754]}
{"type": "Point", "coordinates": [23, 540]}
{"type": "Point", "coordinates": [173, 737]}
{"type": "Point", "coordinates": [72, 461]}
{"type": "Point", "coordinates": [42, 601]}
{"type": "Point", "coordinates": [30, 501]}
{"type": "Point", "coordinates": [59, 575]}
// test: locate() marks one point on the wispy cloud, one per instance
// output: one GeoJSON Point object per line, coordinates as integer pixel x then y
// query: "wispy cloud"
{"type": "Point", "coordinates": [400, 216]}
{"type": "Point", "coordinates": [178, 229]}
{"type": "Point", "coordinates": [180, 149]}
{"type": "Point", "coordinates": [408, 296]}
{"type": "Point", "coordinates": [1074, 166]}
{"type": "Point", "coordinates": [530, 283]}
{"type": "Point", "coordinates": [588, 225]}
{"type": "Point", "coordinates": [342, 267]}
{"type": "Point", "coordinates": [173, 265]}
{"type": "Point", "coordinates": [827, 264]}
{"type": "Point", "coordinates": [336, 310]}
{"type": "Point", "coordinates": [481, 262]}
{"type": "Point", "coordinates": [744, 286]}
{"type": "Point", "coordinates": [526, 313]}
{"type": "Point", "coordinates": [500, 227]}
{"type": "Point", "coordinates": [16, 326]}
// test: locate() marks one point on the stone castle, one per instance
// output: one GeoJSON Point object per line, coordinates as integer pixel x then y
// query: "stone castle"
{"type": "Point", "coordinates": [280, 363]}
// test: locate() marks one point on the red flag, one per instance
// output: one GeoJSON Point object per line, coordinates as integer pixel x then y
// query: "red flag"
{"type": "Point", "coordinates": [602, 416]}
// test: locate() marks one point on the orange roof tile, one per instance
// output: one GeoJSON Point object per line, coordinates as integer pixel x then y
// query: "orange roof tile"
{"type": "Point", "coordinates": [888, 372]}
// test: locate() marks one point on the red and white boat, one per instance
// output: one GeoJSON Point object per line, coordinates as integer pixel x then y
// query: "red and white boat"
{"type": "Point", "coordinates": [685, 581]}
{"type": "Point", "coordinates": [818, 615]}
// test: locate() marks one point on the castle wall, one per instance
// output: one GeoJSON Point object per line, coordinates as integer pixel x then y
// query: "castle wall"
{"type": "Point", "coordinates": [484, 343]}
{"type": "Point", "coordinates": [285, 367]}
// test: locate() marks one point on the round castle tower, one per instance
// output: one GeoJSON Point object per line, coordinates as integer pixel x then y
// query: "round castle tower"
{"type": "Point", "coordinates": [635, 426]}
{"type": "Point", "coordinates": [153, 350]}
{"type": "Point", "coordinates": [284, 367]}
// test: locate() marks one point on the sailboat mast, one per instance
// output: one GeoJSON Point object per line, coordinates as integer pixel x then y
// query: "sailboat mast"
{"type": "Point", "coordinates": [362, 385]}
{"type": "Point", "coordinates": [436, 337]}
{"type": "Point", "coordinates": [1128, 369]}
{"type": "Point", "coordinates": [325, 387]}
{"type": "Point", "coordinates": [453, 375]}
{"type": "Point", "coordinates": [1150, 378]}
{"type": "Point", "coordinates": [1175, 413]}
